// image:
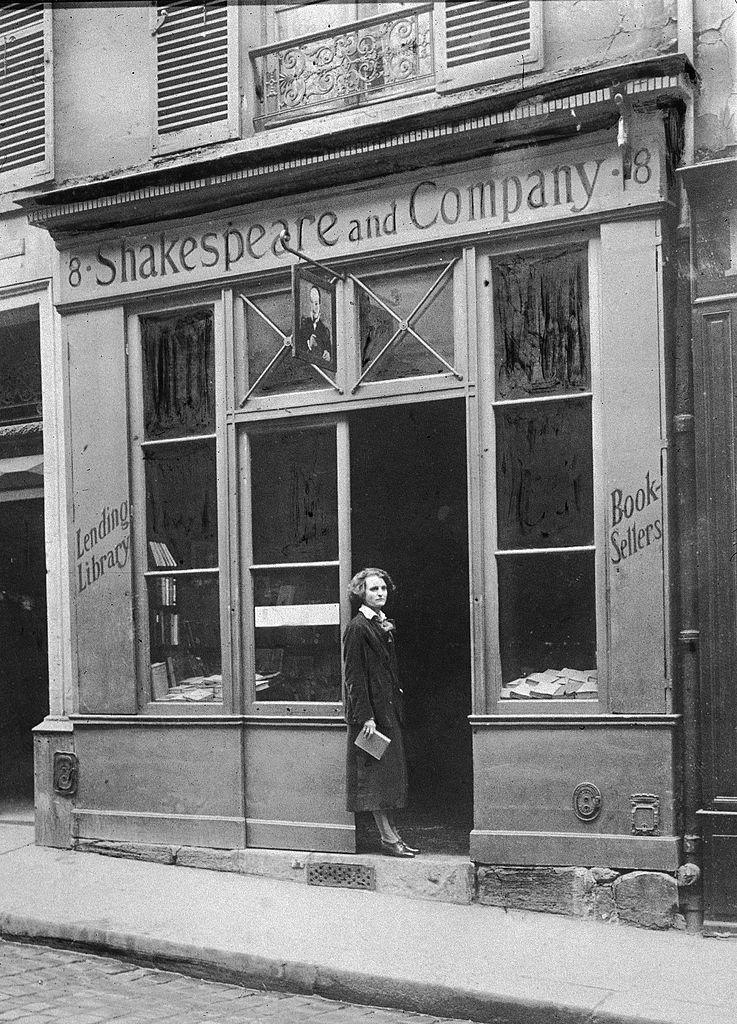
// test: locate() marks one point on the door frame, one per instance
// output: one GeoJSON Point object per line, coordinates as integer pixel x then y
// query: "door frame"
{"type": "Point", "coordinates": [715, 378]}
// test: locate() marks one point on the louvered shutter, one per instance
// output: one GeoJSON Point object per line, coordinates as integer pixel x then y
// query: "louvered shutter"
{"type": "Point", "coordinates": [26, 103]}
{"type": "Point", "coordinates": [196, 74]}
{"type": "Point", "coordinates": [486, 40]}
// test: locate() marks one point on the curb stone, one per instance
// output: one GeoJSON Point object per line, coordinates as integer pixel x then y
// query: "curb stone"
{"type": "Point", "coordinates": [280, 975]}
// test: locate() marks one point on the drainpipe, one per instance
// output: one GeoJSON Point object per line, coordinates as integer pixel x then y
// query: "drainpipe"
{"type": "Point", "coordinates": [689, 873]}
{"type": "Point", "coordinates": [684, 15]}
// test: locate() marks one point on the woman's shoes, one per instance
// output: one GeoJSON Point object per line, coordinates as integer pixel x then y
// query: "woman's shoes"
{"type": "Point", "coordinates": [395, 849]}
{"type": "Point", "coordinates": [412, 849]}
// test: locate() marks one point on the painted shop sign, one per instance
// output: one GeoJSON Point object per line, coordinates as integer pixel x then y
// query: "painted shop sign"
{"type": "Point", "coordinates": [104, 546]}
{"type": "Point", "coordinates": [636, 520]}
{"type": "Point", "coordinates": [493, 195]}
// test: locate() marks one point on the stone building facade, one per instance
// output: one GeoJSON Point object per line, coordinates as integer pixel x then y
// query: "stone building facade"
{"type": "Point", "coordinates": [493, 193]}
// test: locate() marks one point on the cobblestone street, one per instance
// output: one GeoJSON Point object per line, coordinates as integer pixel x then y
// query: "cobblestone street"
{"type": "Point", "coordinates": [40, 984]}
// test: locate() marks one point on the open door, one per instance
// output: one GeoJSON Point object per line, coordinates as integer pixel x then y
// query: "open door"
{"type": "Point", "coordinates": [24, 675]}
{"type": "Point", "coordinates": [384, 486]}
{"type": "Point", "coordinates": [409, 515]}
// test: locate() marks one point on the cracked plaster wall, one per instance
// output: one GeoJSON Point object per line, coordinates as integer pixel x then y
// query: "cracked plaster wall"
{"type": "Point", "coordinates": [104, 70]}
{"type": "Point", "coordinates": [584, 34]}
{"type": "Point", "coordinates": [715, 58]}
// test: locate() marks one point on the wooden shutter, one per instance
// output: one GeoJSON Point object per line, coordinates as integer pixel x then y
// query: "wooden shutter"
{"type": "Point", "coordinates": [196, 74]}
{"type": "Point", "coordinates": [484, 40]}
{"type": "Point", "coordinates": [26, 151]}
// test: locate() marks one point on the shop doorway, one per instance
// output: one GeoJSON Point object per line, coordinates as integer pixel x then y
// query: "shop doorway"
{"type": "Point", "coordinates": [409, 516]}
{"type": "Point", "coordinates": [24, 680]}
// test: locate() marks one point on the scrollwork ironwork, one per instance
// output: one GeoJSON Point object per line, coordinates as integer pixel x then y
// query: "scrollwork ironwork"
{"type": "Point", "coordinates": [363, 61]}
{"type": "Point", "coordinates": [20, 383]}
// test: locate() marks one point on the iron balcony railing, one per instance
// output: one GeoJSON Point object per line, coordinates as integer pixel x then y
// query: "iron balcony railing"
{"type": "Point", "coordinates": [364, 62]}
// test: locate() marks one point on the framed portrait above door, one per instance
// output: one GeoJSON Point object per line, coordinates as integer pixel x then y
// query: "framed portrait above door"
{"type": "Point", "coordinates": [313, 292]}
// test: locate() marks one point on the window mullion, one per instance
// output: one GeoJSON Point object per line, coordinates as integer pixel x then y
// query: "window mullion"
{"type": "Point", "coordinates": [344, 525]}
{"type": "Point", "coordinates": [431, 350]}
{"type": "Point", "coordinates": [138, 496]}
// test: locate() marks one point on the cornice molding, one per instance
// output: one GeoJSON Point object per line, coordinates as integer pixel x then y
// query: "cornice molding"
{"type": "Point", "coordinates": [536, 118]}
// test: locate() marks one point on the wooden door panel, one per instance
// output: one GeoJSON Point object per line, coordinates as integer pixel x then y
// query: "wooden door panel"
{"type": "Point", "coordinates": [715, 393]}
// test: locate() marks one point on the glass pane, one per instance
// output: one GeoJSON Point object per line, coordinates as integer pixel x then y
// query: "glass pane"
{"type": "Point", "coordinates": [178, 374]}
{"type": "Point", "coordinates": [20, 358]}
{"type": "Point", "coordinates": [541, 324]}
{"type": "Point", "coordinates": [297, 620]}
{"type": "Point", "coordinates": [181, 507]}
{"type": "Point", "coordinates": [184, 631]}
{"type": "Point", "coordinates": [433, 322]}
{"type": "Point", "coordinates": [547, 622]}
{"type": "Point", "coordinates": [289, 374]}
{"type": "Point", "coordinates": [545, 493]}
{"type": "Point", "coordinates": [295, 495]}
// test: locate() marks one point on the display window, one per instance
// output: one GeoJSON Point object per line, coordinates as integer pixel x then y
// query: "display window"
{"type": "Point", "coordinates": [544, 476]}
{"type": "Point", "coordinates": [295, 573]}
{"type": "Point", "coordinates": [175, 470]}
{"type": "Point", "coordinates": [253, 519]}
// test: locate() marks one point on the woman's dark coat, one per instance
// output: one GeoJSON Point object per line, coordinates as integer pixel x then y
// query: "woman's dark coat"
{"type": "Point", "coordinates": [373, 691]}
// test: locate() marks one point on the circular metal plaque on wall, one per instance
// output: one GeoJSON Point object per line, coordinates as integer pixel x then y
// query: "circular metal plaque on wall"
{"type": "Point", "coordinates": [587, 801]}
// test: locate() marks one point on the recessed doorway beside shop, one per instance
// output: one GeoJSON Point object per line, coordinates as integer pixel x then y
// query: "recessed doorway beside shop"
{"type": "Point", "coordinates": [24, 677]}
{"type": "Point", "coordinates": [409, 515]}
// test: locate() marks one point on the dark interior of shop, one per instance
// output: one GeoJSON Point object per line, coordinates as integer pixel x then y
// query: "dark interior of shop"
{"type": "Point", "coordinates": [24, 679]}
{"type": "Point", "coordinates": [409, 516]}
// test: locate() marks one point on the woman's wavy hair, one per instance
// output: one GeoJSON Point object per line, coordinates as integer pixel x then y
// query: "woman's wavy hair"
{"type": "Point", "coordinates": [357, 586]}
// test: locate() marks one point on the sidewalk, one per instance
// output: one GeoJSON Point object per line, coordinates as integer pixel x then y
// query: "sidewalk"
{"type": "Point", "coordinates": [459, 961]}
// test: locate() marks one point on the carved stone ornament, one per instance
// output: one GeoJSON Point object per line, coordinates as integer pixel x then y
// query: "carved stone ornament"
{"type": "Point", "coordinates": [587, 801]}
{"type": "Point", "coordinates": [645, 814]}
{"type": "Point", "coordinates": [66, 773]}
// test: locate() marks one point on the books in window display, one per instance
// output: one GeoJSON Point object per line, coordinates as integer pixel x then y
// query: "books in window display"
{"type": "Point", "coordinates": [159, 680]}
{"type": "Point", "coordinates": [553, 684]}
{"type": "Point", "coordinates": [269, 661]}
{"type": "Point", "coordinates": [166, 628]}
{"type": "Point", "coordinates": [197, 689]}
{"type": "Point", "coordinates": [166, 591]}
{"type": "Point", "coordinates": [161, 555]}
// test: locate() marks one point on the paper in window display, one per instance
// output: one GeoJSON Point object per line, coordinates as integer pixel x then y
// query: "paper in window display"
{"type": "Point", "coordinates": [313, 292]}
{"type": "Point", "coordinates": [297, 635]}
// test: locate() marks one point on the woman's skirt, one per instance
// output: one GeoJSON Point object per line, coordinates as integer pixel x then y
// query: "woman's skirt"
{"type": "Point", "coordinates": [373, 785]}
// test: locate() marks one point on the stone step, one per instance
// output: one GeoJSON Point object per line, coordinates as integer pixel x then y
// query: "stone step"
{"type": "Point", "coordinates": [449, 879]}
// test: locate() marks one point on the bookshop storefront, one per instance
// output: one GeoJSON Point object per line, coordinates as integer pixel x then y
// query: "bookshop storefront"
{"type": "Point", "coordinates": [483, 416]}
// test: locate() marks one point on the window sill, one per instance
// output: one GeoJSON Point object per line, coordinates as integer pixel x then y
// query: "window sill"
{"type": "Point", "coordinates": [295, 711]}
{"type": "Point", "coordinates": [557, 713]}
{"type": "Point", "coordinates": [168, 709]}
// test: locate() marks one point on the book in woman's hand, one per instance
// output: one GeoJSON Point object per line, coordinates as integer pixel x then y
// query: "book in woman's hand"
{"type": "Point", "coordinates": [375, 744]}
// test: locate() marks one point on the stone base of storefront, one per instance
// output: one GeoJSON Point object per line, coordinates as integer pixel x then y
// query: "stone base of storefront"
{"type": "Point", "coordinates": [645, 898]}
{"type": "Point", "coordinates": [649, 899]}
{"type": "Point", "coordinates": [54, 782]}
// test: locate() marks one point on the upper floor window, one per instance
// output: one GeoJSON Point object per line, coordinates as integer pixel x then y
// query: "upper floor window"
{"type": "Point", "coordinates": [26, 150]}
{"type": "Point", "coordinates": [321, 57]}
{"type": "Point", "coordinates": [20, 358]}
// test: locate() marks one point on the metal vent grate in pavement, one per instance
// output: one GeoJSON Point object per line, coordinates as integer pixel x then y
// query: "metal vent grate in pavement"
{"type": "Point", "coordinates": [346, 876]}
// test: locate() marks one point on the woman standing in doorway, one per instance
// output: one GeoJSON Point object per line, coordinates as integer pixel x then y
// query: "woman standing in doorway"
{"type": "Point", "coordinates": [374, 702]}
